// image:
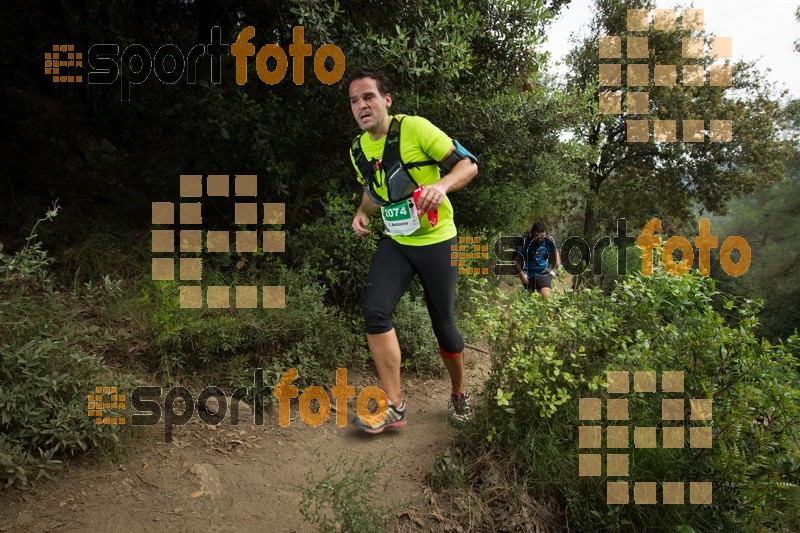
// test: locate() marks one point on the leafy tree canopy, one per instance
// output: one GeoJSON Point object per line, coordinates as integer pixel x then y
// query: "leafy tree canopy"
{"type": "Point", "coordinates": [641, 180]}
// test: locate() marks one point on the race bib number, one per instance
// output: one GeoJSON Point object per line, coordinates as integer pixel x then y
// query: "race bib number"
{"type": "Point", "coordinates": [400, 218]}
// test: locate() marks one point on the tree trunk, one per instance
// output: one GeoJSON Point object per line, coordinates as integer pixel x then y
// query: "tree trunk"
{"type": "Point", "coordinates": [588, 219]}
{"type": "Point", "coordinates": [588, 231]}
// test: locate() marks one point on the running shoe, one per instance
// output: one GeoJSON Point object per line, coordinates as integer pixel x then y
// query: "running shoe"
{"type": "Point", "coordinates": [372, 423]}
{"type": "Point", "coordinates": [460, 407]}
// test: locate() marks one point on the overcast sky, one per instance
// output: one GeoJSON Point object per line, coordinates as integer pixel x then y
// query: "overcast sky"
{"type": "Point", "coordinates": [763, 30]}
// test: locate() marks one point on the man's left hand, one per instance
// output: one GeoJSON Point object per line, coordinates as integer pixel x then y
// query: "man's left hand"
{"type": "Point", "coordinates": [431, 197]}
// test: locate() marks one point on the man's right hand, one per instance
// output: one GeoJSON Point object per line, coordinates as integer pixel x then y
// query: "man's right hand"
{"type": "Point", "coordinates": [524, 277]}
{"type": "Point", "coordinates": [361, 224]}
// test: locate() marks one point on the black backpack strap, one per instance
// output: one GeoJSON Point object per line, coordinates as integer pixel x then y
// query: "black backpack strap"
{"type": "Point", "coordinates": [367, 170]}
{"type": "Point", "coordinates": [364, 166]}
{"type": "Point", "coordinates": [396, 146]}
{"type": "Point", "coordinates": [391, 150]}
{"type": "Point", "coordinates": [419, 164]}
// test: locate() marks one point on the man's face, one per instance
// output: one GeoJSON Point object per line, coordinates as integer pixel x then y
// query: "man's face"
{"type": "Point", "coordinates": [370, 109]}
{"type": "Point", "coordinates": [539, 236]}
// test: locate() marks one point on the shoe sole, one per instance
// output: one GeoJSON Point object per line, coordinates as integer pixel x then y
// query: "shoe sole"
{"type": "Point", "coordinates": [399, 423]}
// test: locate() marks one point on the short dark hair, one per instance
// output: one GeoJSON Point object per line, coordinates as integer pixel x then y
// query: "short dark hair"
{"type": "Point", "coordinates": [380, 77]}
{"type": "Point", "coordinates": [538, 227]}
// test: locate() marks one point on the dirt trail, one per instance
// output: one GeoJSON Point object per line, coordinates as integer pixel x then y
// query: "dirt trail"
{"type": "Point", "coordinates": [244, 477]}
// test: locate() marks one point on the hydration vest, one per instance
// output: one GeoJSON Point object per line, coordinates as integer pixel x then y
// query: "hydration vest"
{"type": "Point", "coordinates": [389, 170]}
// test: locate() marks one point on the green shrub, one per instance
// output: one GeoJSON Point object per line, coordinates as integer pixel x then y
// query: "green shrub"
{"type": "Point", "coordinates": [610, 269]}
{"type": "Point", "coordinates": [306, 334]}
{"type": "Point", "coordinates": [418, 345]}
{"type": "Point", "coordinates": [104, 252]}
{"type": "Point", "coordinates": [343, 499]}
{"type": "Point", "coordinates": [549, 353]}
{"type": "Point", "coordinates": [47, 369]}
{"type": "Point", "coordinates": [332, 254]}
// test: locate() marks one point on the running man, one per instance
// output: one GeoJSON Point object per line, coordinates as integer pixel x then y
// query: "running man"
{"type": "Point", "coordinates": [533, 257]}
{"type": "Point", "coordinates": [393, 157]}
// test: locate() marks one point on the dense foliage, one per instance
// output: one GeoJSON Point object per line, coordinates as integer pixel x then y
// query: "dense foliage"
{"type": "Point", "coordinates": [49, 362]}
{"type": "Point", "coordinates": [548, 354]}
{"type": "Point", "coordinates": [768, 220]}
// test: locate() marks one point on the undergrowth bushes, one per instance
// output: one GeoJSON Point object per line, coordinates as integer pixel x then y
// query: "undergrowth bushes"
{"type": "Point", "coordinates": [420, 351]}
{"type": "Point", "coordinates": [332, 254]}
{"type": "Point", "coordinates": [47, 368]}
{"type": "Point", "coordinates": [549, 353]}
{"type": "Point", "coordinates": [343, 498]}
{"type": "Point", "coordinates": [306, 334]}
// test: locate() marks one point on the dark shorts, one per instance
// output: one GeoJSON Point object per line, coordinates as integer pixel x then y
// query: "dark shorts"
{"type": "Point", "coordinates": [539, 282]}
